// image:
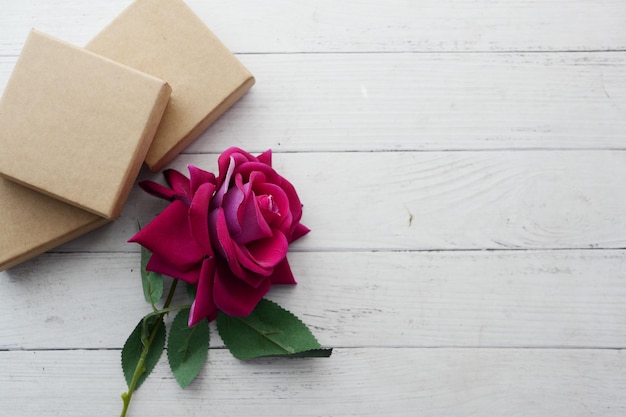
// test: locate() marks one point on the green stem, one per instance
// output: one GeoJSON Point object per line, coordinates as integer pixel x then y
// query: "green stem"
{"type": "Point", "coordinates": [166, 310]}
{"type": "Point", "coordinates": [140, 369]}
{"type": "Point", "coordinates": [170, 295]}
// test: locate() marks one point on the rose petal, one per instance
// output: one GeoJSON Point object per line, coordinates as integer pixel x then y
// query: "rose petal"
{"type": "Point", "coordinates": [224, 185]}
{"type": "Point", "coordinates": [221, 240]}
{"type": "Point", "coordinates": [199, 217]}
{"type": "Point", "coordinates": [269, 252]}
{"type": "Point", "coordinates": [203, 305]}
{"type": "Point", "coordinates": [282, 203]}
{"type": "Point", "coordinates": [223, 165]}
{"type": "Point", "coordinates": [237, 153]}
{"type": "Point", "coordinates": [242, 157]}
{"type": "Point", "coordinates": [253, 224]}
{"type": "Point", "coordinates": [257, 272]}
{"type": "Point", "coordinates": [266, 203]}
{"type": "Point", "coordinates": [231, 158]}
{"type": "Point", "coordinates": [232, 200]}
{"type": "Point", "coordinates": [179, 183]}
{"type": "Point", "coordinates": [269, 209]}
{"type": "Point", "coordinates": [198, 176]}
{"type": "Point", "coordinates": [233, 296]}
{"type": "Point", "coordinates": [282, 274]}
{"type": "Point", "coordinates": [169, 236]}
{"type": "Point", "coordinates": [272, 177]}
{"type": "Point", "coordinates": [157, 190]}
{"type": "Point", "coordinates": [294, 201]}
{"type": "Point", "coordinates": [265, 172]}
{"type": "Point", "coordinates": [160, 265]}
{"type": "Point", "coordinates": [266, 157]}
{"type": "Point", "coordinates": [299, 231]}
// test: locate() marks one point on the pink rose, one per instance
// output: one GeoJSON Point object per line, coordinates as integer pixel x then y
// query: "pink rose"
{"type": "Point", "coordinates": [227, 235]}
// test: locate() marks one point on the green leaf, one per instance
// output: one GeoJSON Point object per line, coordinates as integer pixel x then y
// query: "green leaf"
{"type": "Point", "coordinates": [269, 330]}
{"type": "Point", "coordinates": [191, 290]}
{"type": "Point", "coordinates": [151, 281]}
{"type": "Point", "coordinates": [313, 353]}
{"type": "Point", "coordinates": [132, 350]}
{"type": "Point", "coordinates": [187, 348]}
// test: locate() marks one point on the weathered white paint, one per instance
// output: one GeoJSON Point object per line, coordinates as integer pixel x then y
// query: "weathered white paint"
{"type": "Point", "coordinates": [461, 165]}
{"type": "Point", "coordinates": [369, 382]}
{"type": "Point", "coordinates": [431, 200]}
{"type": "Point", "coordinates": [391, 102]}
{"type": "Point", "coordinates": [351, 299]}
{"type": "Point", "coordinates": [355, 26]}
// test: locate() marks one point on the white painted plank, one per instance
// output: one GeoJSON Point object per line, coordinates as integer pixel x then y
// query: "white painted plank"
{"type": "Point", "coordinates": [428, 102]}
{"type": "Point", "coordinates": [419, 333]}
{"type": "Point", "coordinates": [353, 382]}
{"type": "Point", "coordinates": [424, 102]}
{"type": "Point", "coordinates": [353, 26]}
{"type": "Point", "coordinates": [431, 200]}
{"type": "Point", "coordinates": [462, 299]}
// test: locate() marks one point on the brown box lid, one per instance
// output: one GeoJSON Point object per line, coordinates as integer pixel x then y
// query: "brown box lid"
{"type": "Point", "coordinates": [32, 223]}
{"type": "Point", "coordinates": [166, 39]}
{"type": "Point", "coordinates": [77, 126]}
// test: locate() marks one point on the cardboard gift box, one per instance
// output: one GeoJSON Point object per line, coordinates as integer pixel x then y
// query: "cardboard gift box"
{"type": "Point", "coordinates": [61, 198]}
{"type": "Point", "coordinates": [166, 39]}
{"type": "Point", "coordinates": [32, 223]}
{"type": "Point", "coordinates": [75, 128]}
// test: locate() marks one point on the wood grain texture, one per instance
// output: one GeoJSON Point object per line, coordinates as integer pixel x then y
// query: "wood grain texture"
{"type": "Point", "coordinates": [461, 163]}
{"type": "Point", "coordinates": [353, 382]}
{"type": "Point", "coordinates": [383, 102]}
{"type": "Point", "coordinates": [433, 299]}
{"type": "Point", "coordinates": [356, 26]}
{"type": "Point", "coordinates": [430, 201]}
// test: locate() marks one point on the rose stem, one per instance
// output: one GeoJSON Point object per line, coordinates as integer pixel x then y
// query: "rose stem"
{"type": "Point", "coordinates": [139, 369]}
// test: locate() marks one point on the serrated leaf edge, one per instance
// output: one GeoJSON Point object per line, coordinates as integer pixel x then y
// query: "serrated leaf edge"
{"type": "Point", "coordinates": [147, 278]}
{"type": "Point", "coordinates": [288, 352]}
{"type": "Point", "coordinates": [169, 360]}
{"type": "Point", "coordinates": [145, 370]}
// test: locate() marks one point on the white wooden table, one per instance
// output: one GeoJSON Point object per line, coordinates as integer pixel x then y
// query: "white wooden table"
{"type": "Point", "coordinates": [462, 166]}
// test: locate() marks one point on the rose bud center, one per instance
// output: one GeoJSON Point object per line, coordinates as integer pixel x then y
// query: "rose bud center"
{"type": "Point", "coordinates": [268, 207]}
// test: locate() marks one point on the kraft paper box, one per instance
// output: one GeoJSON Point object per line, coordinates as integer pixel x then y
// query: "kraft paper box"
{"type": "Point", "coordinates": [32, 223]}
{"type": "Point", "coordinates": [166, 39]}
{"type": "Point", "coordinates": [207, 80]}
{"type": "Point", "coordinates": [75, 128]}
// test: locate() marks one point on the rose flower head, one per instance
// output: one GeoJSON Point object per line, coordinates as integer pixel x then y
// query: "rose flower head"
{"type": "Point", "coordinates": [227, 235]}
